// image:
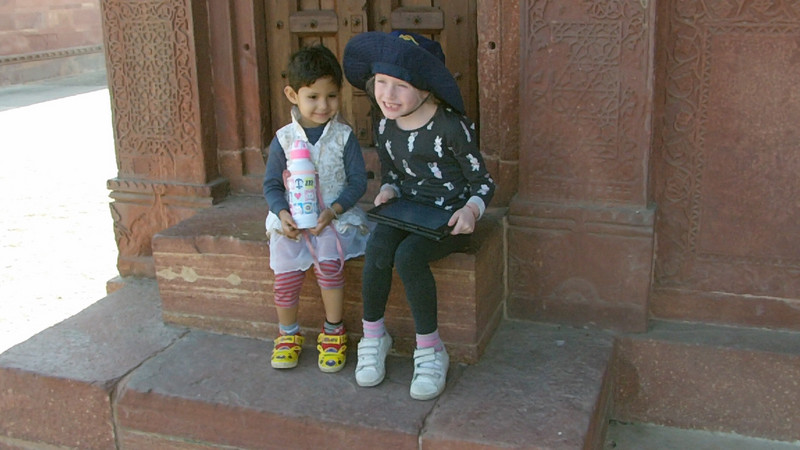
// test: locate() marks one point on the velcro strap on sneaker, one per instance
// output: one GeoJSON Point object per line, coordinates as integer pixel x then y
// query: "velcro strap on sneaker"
{"type": "Point", "coordinates": [332, 339]}
{"type": "Point", "coordinates": [289, 341]}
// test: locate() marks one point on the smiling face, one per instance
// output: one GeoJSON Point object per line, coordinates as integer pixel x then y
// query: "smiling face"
{"type": "Point", "coordinates": [397, 98]}
{"type": "Point", "coordinates": [317, 103]}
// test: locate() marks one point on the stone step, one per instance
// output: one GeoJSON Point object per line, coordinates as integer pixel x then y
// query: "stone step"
{"type": "Point", "coordinates": [59, 387]}
{"type": "Point", "coordinates": [637, 436]}
{"type": "Point", "coordinates": [213, 274]}
{"type": "Point", "coordinates": [116, 376]}
{"type": "Point", "coordinates": [709, 377]}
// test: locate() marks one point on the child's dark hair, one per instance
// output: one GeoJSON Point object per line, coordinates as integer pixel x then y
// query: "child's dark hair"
{"type": "Point", "coordinates": [309, 64]}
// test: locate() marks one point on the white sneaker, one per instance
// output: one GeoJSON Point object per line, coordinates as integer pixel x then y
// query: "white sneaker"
{"type": "Point", "coordinates": [430, 373]}
{"type": "Point", "coordinates": [371, 367]}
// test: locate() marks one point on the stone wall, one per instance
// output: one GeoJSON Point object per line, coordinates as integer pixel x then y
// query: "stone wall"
{"type": "Point", "coordinates": [41, 39]}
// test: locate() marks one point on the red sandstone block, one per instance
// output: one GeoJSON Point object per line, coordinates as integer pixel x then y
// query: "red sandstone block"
{"type": "Point", "coordinates": [77, 413]}
{"type": "Point", "coordinates": [201, 304]}
{"type": "Point", "coordinates": [715, 378]}
{"type": "Point", "coordinates": [43, 5]}
{"type": "Point", "coordinates": [88, 20]}
{"type": "Point", "coordinates": [56, 388]}
{"type": "Point", "coordinates": [537, 386]}
{"type": "Point", "coordinates": [184, 270]}
{"type": "Point", "coordinates": [27, 21]}
{"type": "Point", "coordinates": [190, 394]}
{"type": "Point", "coordinates": [213, 273]}
{"type": "Point", "coordinates": [581, 265]}
{"type": "Point", "coordinates": [508, 172]}
{"type": "Point", "coordinates": [760, 311]}
{"type": "Point", "coordinates": [230, 161]}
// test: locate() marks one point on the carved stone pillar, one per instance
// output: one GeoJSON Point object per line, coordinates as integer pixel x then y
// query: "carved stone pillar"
{"type": "Point", "coordinates": [726, 164]}
{"type": "Point", "coordinates": [160, 85]}
{"type": "Point", "coordinates": [580, 223]}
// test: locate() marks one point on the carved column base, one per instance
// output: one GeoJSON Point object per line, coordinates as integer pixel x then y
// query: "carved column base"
{"type": "Point", "coordinates": [580, 264]}
{"type": "Point", "coordinates": [143, 208]}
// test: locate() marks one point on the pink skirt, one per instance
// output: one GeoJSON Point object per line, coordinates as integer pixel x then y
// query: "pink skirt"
{"type": "Point", "coordinates": [289, 255]}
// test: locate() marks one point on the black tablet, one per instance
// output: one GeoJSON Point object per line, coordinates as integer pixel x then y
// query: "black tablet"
{"type": "Point", "coordinates": [420, 218]}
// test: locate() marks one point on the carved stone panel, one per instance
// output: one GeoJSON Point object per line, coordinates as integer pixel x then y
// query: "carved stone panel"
{"type": "Point", "coordinates": [162, 118]}
{"type": "Point", "coordinates": [585, 107]}
{"type": "Point", "coordinates": [153, 79]}
{"type": "Point", "coordinates": [581, 224]}
{"type": "Point", "coordinates": [727, 166]}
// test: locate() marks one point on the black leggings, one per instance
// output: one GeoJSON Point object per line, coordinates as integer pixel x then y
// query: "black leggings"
{"type": "Point", "coordinates": [411, 254]}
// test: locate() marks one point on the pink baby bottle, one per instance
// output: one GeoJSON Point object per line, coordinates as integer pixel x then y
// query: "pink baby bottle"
{"type": "Point", "coordinates": [302, 186]}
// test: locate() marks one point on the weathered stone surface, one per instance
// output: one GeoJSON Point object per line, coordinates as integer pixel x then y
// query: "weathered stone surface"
{"type": "Point", "coordinates": [213, 273]}
{"type": "Point", "coordinates": [725, 165]}
{"type": "Point", "coordinates": [578, 253]}
{"type": "Point", "coordinates": [581, 265]}
{"type": "Point", "coordinates": [47, 40]}
{"type": "Point", "coordinates": [547, 391]}
{"type": "Point", "coordinates": [221, 390]}
{"type": "Point", "coordinates": [725, 308]}
{"type": "Point", "coordinates": [585, 91]}
{"type": "Point", "coordinates": [537, 386]}
{"type": "Point", "coordinates": [126, 379]}
{"type": "Point", "coordinates": [713, 378]}
{"type": "Point", "coordinates": [498, 81]}
{"type": "Point", "coordinates": [56, 388]}
{"type": "Point", "coordinates": [164, 122]}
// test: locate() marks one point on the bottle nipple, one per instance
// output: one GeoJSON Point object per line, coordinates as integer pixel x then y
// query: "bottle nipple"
{"type": "Point", "coordinates": [300, 150]}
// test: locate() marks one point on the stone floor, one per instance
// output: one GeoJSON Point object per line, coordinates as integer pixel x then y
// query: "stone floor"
{"type": "Point", "coordinates": [57, 249]}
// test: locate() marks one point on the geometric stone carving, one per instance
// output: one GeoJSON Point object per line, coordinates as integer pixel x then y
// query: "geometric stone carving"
{"type": "Point", "coordinates": [581, 225]}
{"type": "Point", "coordinates": [142, 209]}
{"type": "Point", "coordinates": [727, 164]}
{"type": "Point", "coordinates": [154, 85]}
{"type": "Point", "coordinates": [586, 90]}
{"type": "Point", "coordinates": [162, 119]}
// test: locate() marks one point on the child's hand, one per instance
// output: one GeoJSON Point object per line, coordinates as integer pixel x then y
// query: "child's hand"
{"type": "Point", "coordinates": [324, 219]}
{"type": "Point", "coordinates": [288, 225]}
{"type": "Point", "coordinates": [463, 220]}
{"type": "Point", "coordinates": [384, 196]}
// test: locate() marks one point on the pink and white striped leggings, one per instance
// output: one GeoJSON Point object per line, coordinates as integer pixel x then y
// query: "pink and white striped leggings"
{"type": "Point", "coordinates": [287, 285]}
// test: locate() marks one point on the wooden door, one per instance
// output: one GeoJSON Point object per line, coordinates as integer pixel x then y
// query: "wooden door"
{"type": "Point", "coordinates": [292, 24]}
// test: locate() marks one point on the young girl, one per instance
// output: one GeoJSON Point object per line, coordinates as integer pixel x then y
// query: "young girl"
{"type": "Point", "coordinates": [428, 153]}
{"type": "Point", "coordinates": [315, 79]}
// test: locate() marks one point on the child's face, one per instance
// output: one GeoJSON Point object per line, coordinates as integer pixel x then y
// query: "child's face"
{"type": "Point", "coordinates": [396, 97]}
{"type": "Point", "coordinates": [317, 103]}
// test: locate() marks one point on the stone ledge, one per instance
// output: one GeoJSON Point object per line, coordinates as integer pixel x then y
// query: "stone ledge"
{"type": "Point", "coordinates": [57, 386]}
{"type": "Point", "coordinates": [160, 387]}
{"type": "Point", "coordinates": [538, 386]}
{"type": "Point", "coordinates": [710, 377]}
{"type": "Point", "coordinates": [213, 274]}
{"type": "Point", "coordinates": [547, 389]}
{"type": "Point", "coordinates": [115, 376]}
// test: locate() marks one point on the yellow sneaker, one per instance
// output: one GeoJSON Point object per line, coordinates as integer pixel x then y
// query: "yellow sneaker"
{"type": "Point", "coordinates": [332, 352]}
{"type": "Point", "coordinates": [286, 352]}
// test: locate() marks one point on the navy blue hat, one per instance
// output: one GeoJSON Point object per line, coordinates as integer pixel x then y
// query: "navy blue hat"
{"type": "Point", "coordinates": [404, 55]}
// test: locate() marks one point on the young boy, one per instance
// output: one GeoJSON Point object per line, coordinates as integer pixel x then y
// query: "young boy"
{"type": "Point", "coordinates": [315, 78]}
